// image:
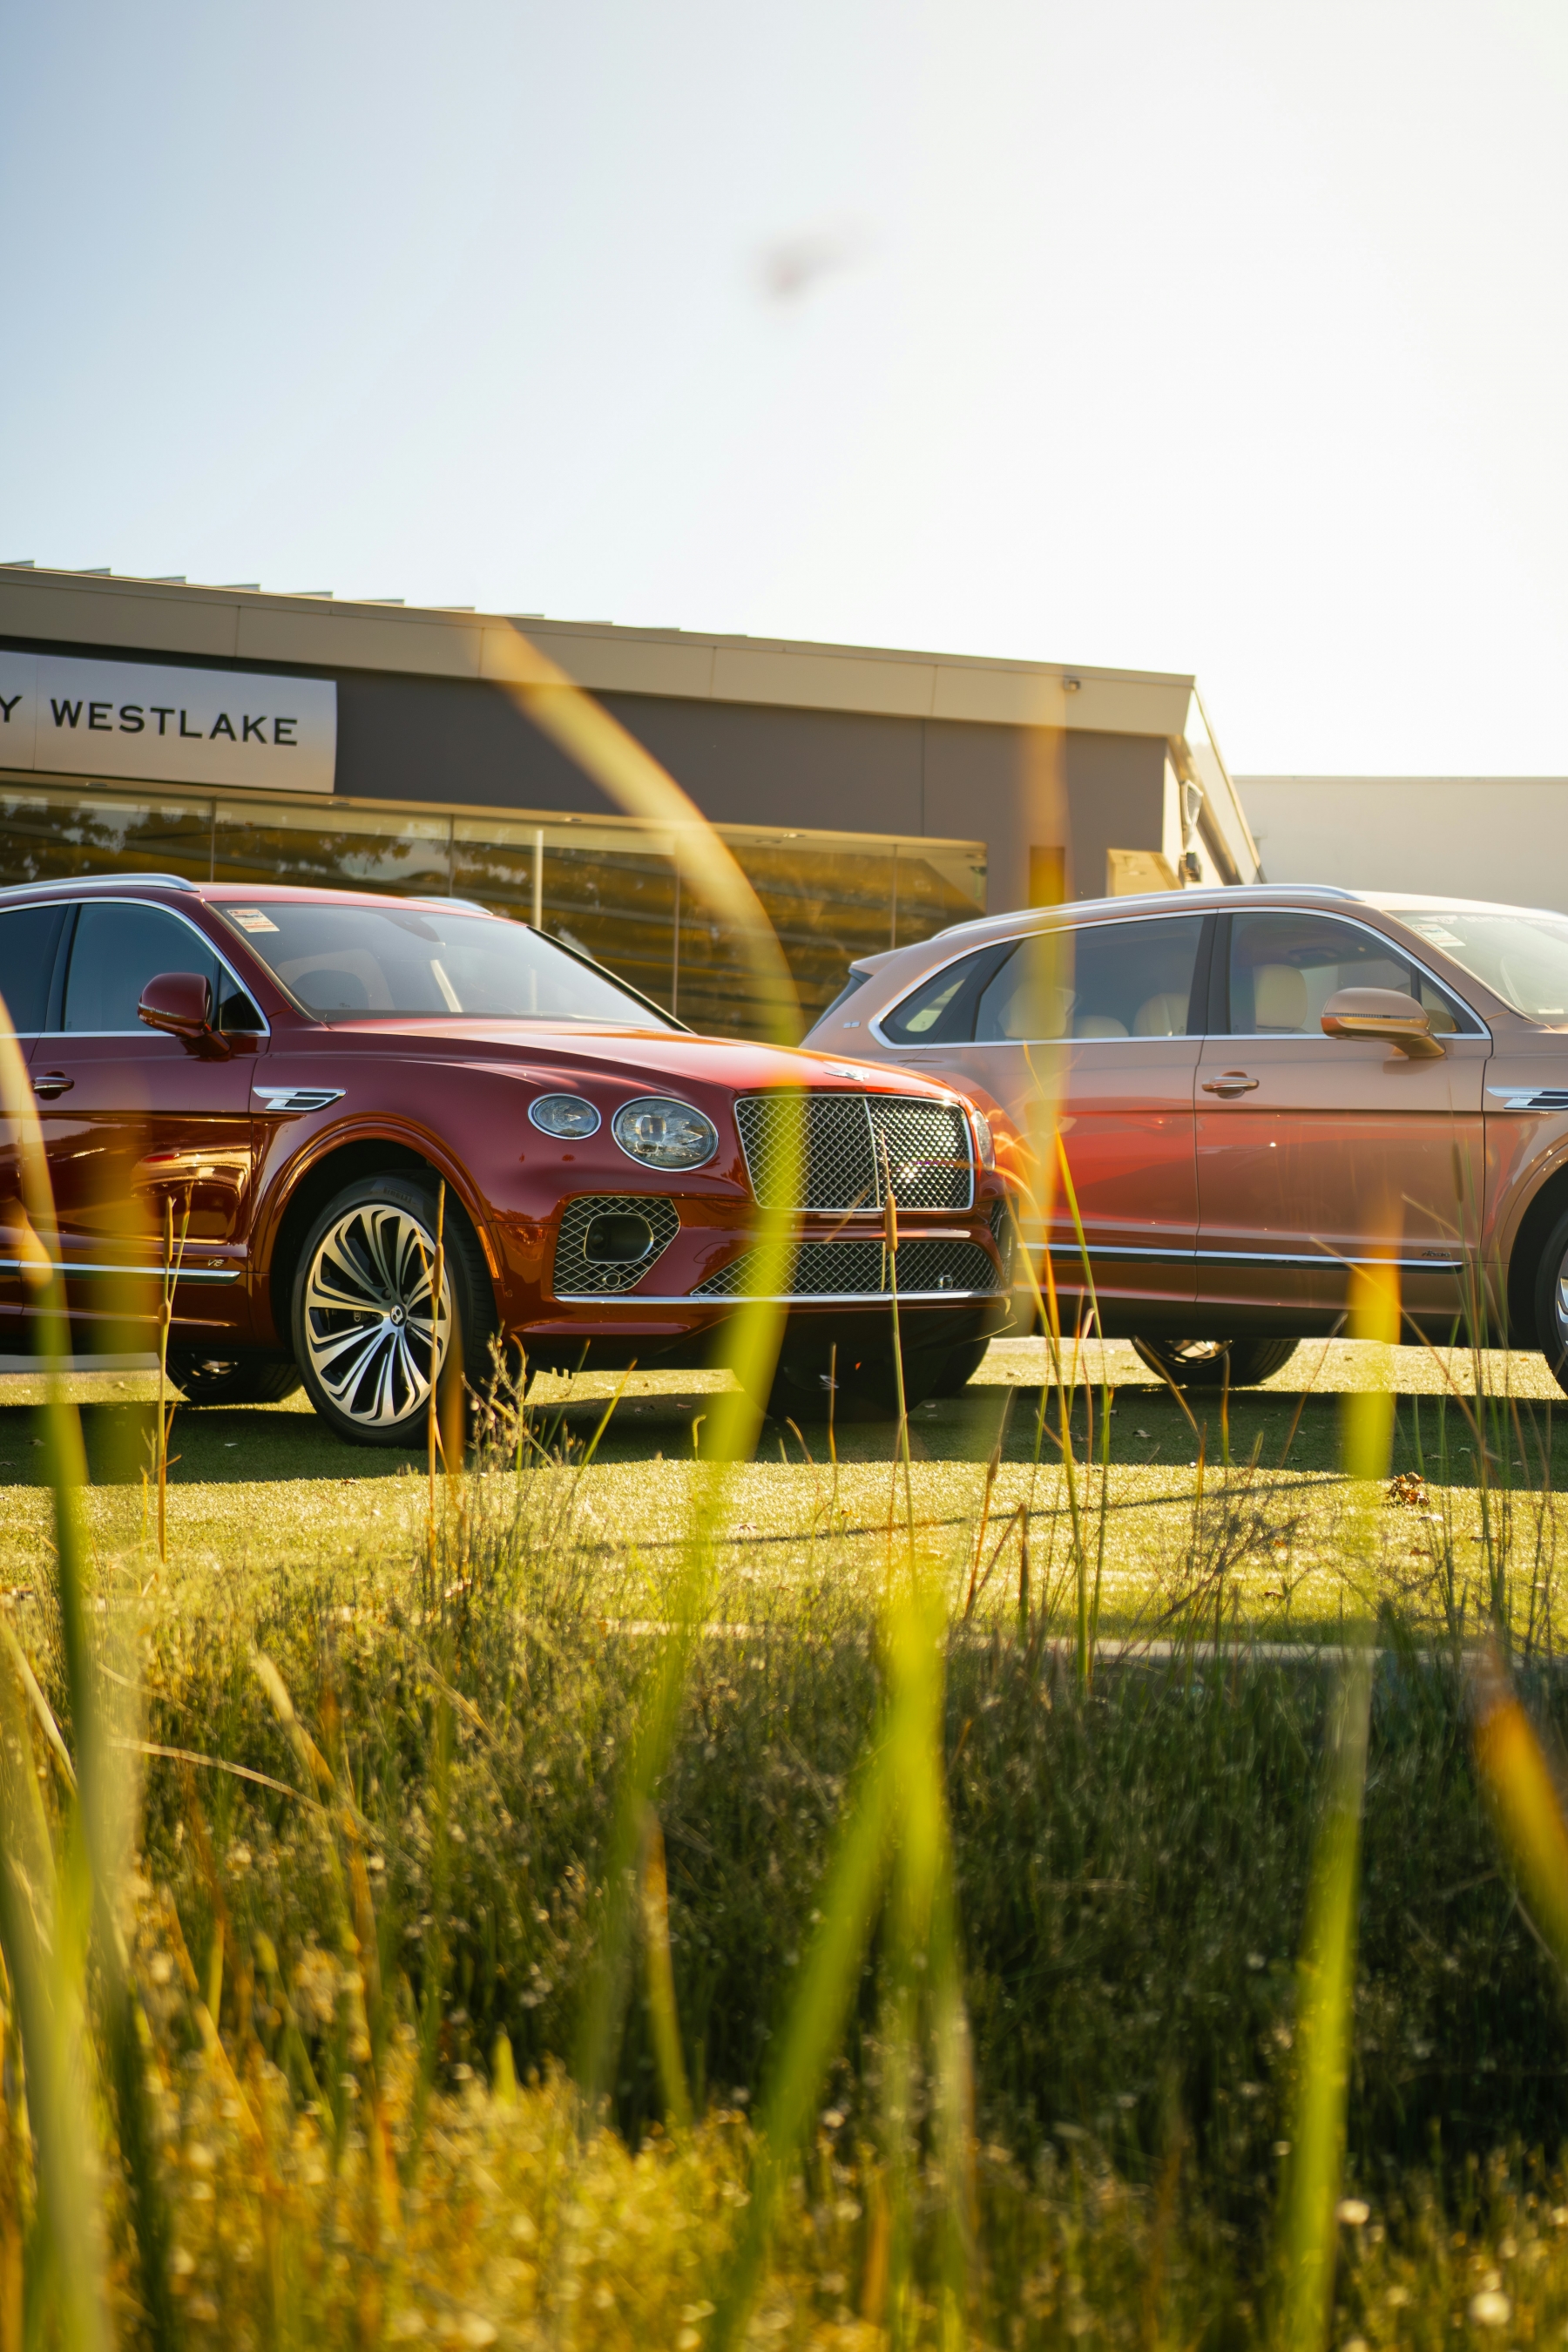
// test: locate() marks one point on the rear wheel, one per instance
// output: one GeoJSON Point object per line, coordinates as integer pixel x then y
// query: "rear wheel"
{"type": "Point", "coordinates": [1216, 1363]}
{"type": "Point", "coordinates": [1551, 1302]}
{"type": "Point", "coordinates": [366, 1339]}
{"type": "Point", "coordinates": [205, 1377]}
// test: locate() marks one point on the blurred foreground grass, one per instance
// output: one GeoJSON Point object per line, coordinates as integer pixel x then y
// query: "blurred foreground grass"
{"type": "Point", "coordinates": [1130, 1854]}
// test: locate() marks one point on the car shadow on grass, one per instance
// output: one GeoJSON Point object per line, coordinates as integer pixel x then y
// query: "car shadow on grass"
{"type": "Point", "coordinates": [663, 1417]}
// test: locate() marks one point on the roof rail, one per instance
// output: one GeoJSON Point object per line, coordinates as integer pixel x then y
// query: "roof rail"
{"type": "Point", "coordinates": [94, 882]}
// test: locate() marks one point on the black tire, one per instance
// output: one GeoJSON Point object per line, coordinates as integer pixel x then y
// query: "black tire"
{"type": "Point", "coordinates": [205, 1377]}
{"type": "Point", "coordinates": [367, 1265]}
{"type": "Point", "coordinates": [1551, 1302]}
{"type": "Point", "coordinates": [1216, 1363]}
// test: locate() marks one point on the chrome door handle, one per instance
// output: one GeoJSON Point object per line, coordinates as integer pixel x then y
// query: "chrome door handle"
{"type": "Point", "coordinates": [1235, 1081]}
{"type": "Point", "coordinates": [53, 1083]}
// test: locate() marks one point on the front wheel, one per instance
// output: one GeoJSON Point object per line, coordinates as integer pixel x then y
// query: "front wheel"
{"type": "Point", "coordinates": [368, 1337]}
{"type": "Point", "coordinates": [1216, 1363]}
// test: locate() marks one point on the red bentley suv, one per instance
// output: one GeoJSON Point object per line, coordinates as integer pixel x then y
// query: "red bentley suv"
{"type": "Point", "coordinates": [294, 1072]}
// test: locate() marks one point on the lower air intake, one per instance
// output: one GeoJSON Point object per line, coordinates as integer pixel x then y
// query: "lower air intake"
{"type": "Point", "coordinates": [859, 1270]}
{"type": "Point", "coordinates": [593, 1232]}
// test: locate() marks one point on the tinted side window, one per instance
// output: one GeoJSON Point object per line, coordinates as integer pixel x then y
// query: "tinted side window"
{"type": "Point", "coordinates": [1285, 967]}
{"type": "Point", "coordinates": [1108, 980]}
{"type": "Point", "coordinates": [117, 949]}
{"type": "Point", "coordinates": [27, 937]}
{"type": "Point", "coordinates": [941, 1012]}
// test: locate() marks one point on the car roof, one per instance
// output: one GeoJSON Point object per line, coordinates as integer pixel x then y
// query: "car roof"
{"type": "Point", "coordinates": [1201, 900]}
{"type": "Point", "coordinates": [219, 894]}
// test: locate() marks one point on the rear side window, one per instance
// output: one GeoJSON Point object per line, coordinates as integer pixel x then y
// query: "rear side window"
{"type": "Point", "coordinates": [117, 949]}
{"type": "Point", "coordinates": [1105, 981]}
{"type": "Point", "coordinates": [852, 986]}
{"type": "Point", "coordinates": [28, 939]}
{"type": "Point", "coordinates": [941, 1011]}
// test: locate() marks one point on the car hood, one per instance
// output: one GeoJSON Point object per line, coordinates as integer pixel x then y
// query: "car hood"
{"type": "Point", "coordinates": [640, 1056]}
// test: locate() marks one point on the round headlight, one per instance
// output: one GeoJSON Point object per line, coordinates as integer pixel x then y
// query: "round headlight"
{"type": "Point", "coordinates": [568, 1116]}
{"type": "Point", "coordinates": [663, 1133]}
{"type": "Point", "coordinates": [984, 1138]}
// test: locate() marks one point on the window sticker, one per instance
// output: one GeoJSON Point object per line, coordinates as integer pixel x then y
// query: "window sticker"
{"type": "Point", "coordinates": [251, 918]}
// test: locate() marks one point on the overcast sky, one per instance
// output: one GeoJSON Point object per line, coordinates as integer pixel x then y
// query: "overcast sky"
{"type": "Point", "coordinates": [1228, 337]}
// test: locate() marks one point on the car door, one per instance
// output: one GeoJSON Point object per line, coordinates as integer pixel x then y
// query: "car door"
{"type": "Point", "coordinates": [28, 939]}
{"type": "Point", "coordinates": [139, 1125]}
{"type": "Point", "coordinates": [1315, 1152]}
{"type": "Point", "coordinates": [1090, 1030]}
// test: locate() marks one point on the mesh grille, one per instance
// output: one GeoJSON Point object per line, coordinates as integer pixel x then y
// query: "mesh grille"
{"type": "Point", "coordinates": [824, 1150]}
{"type": "Point", "coordinates": [577, 1276]}
{"type": "Point", "coordinates": [857, 1270]}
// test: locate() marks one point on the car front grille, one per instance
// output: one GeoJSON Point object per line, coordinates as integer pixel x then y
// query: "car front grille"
{"type": "Point", "coordinates": [859, 1270]}
{"type": "Point", "coordinates": [578, 1275]}
{"type": "Point", "coordinates": [822, 1150]}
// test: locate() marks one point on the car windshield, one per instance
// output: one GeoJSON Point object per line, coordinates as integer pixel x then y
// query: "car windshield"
{"type": "Point", "coordinates": [378, 963]}
{"type": "Point", "coordinates": [1521, 957]}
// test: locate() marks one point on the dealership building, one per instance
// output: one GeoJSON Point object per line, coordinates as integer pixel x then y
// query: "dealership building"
{"type": "Point", "coordinates": [871, 797]}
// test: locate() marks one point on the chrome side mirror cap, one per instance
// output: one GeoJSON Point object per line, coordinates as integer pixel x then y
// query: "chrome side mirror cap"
{"type": "Point", "coordinates": [1383, 1013]}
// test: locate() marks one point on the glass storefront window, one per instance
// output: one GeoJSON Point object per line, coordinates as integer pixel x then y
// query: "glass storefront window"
{"type": "Point", "coordinates": [46, 836]}
{"type": "Point", "coordinates": [610, 888]}
{"type": "Point", "coordinates": [612, 893]}
{"type": "Point", "coordinates": [332, 850]}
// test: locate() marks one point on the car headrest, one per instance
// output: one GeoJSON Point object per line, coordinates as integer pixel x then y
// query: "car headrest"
{"type": "Point", "coordinates": [1162, 1016]}
{"type": "Point", "coordinates": [1279, 997]}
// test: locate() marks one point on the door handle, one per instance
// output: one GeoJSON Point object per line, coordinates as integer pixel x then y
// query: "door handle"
{"type": "Point", "coordinates": [53, 1083]}
{"type": "Point", "coordinates": [1234, 1082]}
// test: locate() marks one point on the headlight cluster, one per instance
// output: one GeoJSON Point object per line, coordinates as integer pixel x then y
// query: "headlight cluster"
{"type": "Point", "coordinates": [655, 1130]}
{"type": "Point", "coordinates": [567, 1115]}
{"type": "Point", "coordinates": [983, 1138]}
{"type": "Point", "coordinates": [664, 1133]}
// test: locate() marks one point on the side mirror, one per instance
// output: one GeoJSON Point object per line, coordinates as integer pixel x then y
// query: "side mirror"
{"type": "Point", "coordinates": [179, 1003]}
{"type": "Point", "coordinates": [1383, 1013]}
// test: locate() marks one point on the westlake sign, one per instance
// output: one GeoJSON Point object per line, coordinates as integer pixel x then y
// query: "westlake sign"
{"type": "Point", "coordinates": [159, 725]}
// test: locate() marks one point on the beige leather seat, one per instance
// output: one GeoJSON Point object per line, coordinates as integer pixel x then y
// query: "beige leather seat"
{"type": "Point", "coordinates": [1278, 998]}
{"type": "Point", "coordinates": [1161, 1017]}
{"type": "Point", "coordinates": [1100, 1025]}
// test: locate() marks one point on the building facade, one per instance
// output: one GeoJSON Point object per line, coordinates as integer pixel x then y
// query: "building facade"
{"type": "Point", "coordinates": [871, 797]}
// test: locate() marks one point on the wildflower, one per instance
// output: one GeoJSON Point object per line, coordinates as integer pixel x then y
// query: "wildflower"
{"type": "Point", "coordinates": [1490, 2308]}
{"type": "Point", "coordinates": [1352, 2212]}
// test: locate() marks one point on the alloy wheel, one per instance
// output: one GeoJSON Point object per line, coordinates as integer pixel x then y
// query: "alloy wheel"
{"type": "Point", "coordinates": [367, 1313]}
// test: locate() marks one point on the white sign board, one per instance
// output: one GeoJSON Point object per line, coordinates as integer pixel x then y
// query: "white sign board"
{"type": "Point", "coordinates": [158, 725]}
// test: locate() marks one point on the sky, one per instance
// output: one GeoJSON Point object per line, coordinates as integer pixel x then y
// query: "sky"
{"type": "Point", "coordinates": [1228, 338]}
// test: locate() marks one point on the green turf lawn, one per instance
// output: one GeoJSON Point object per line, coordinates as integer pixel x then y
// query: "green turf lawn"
{"type": "Point", "coordinates": [258, 1488]}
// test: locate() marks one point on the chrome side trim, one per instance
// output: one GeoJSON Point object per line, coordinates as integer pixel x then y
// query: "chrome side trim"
{"type": "Point", "coordinates": [1531, 1098]}
{"type": "Point", "coordinates": [278, 1100]}
{"type": "Point", "coordinates": [153, 1273]}
{"type": "Point", "coordinates": [1255, 1258]}
{"type": "Point", "coordinates": [872, 1299]}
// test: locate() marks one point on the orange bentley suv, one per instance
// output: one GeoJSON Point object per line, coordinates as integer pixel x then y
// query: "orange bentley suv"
{"type": "Point", "coordinates": [1257, 1091]}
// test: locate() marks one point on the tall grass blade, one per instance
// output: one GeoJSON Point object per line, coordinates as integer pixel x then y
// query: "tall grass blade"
{"type": "Point", "coordinates": [1325, 1991]}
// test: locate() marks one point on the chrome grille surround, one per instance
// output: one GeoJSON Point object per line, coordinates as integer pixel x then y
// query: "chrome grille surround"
{"type": "Point", "coordinates": [836, 1142]}
{"type": "Point", "coordinates": [577, 1276]}
{"type": "Point", "coordinates": [858, 1269]}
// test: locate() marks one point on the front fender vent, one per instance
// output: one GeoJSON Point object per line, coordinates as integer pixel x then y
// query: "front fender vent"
{"type": "Point", "coordinates": [582, 1269]}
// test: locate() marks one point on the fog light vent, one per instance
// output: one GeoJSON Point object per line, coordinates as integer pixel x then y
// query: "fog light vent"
{"type": "Point", "coordinates": [608, 1242]}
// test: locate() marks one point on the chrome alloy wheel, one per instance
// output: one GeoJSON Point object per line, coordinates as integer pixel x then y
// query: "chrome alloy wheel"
{"type": "Point", "coordinates": [367, 1319]}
